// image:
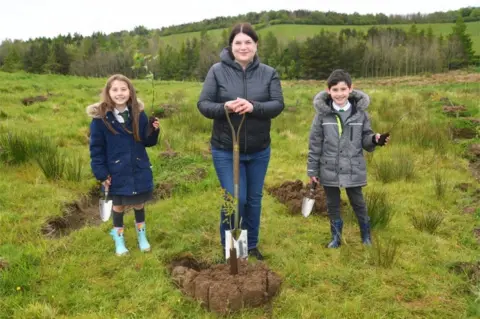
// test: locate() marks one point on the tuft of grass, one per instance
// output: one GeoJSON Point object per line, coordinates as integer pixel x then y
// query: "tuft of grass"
{"type": "Point", "coordinates": [379, 209]}
{"type": "Point", "coordinates": [428, 222]}
{"type": "Point", "coordinates": [52, 165]}
{"type": "Point", "coordinates": [20, 147]}
{"type": "Point", "coordinates": [440, 184]}
{"type": "Point", "coordinates": [385, 252]}
{"type": "Point", "coordinates": [400, 167]}
{"type": "Point", "coordinates": [74, 169]}
{"type": "Point", "coordinates": [14, 148]}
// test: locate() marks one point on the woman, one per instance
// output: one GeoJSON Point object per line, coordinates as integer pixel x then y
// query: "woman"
{"type": "Point", "coordinates": [244, 86]}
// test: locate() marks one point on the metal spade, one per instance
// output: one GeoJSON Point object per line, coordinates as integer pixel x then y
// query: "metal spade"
{"type": "Point", "coordinates": [236, 242]}
{"type": "Point", "coordinates": [105, 207]}
{"type": "Point", "coordinates": [309, 200]}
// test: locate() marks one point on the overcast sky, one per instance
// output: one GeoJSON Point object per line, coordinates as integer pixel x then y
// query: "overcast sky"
{"type": "Point", "coordinates": [23, 19]}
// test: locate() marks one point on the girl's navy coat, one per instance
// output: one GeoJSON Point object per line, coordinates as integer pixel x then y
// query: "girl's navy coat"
{"type": "Point", "coordinates": [119, 155]}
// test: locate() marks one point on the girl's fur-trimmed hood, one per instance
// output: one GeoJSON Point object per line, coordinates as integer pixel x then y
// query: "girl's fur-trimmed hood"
{"type": "Point", "coordinates": [93, 110]}
{"type": "Point", "coordinates": [321, 102]}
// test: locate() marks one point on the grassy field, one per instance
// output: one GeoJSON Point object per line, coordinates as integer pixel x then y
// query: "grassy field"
{"type": "Point", "coordinates": [300, 32]}
{"type": "Point", "coordinates": [408, 273]}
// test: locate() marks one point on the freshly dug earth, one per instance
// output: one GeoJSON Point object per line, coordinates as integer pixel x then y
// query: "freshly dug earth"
{"type": "Point", "coordinates": [291, 193]}
{"type": "Point", "coordinates": [75, 215]}
{"type": "Point", "coordinates": [223, 293]}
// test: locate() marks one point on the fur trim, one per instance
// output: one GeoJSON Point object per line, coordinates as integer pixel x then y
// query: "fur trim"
{"type": "Point", "coordinates": [93, 110]}
{"type": "Point", "coordinates": [322, 105]}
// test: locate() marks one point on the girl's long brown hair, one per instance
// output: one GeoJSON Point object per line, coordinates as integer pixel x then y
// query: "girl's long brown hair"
{"type": "Point", "coordinates": [107, 104]}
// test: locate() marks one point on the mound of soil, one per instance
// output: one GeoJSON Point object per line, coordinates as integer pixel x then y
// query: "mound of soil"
{"type": "Point", "coordinates": [291, 194]}
{"type": "Point", "coordinates": [454, 109]}
{"type": "Point", "coordinates": [169, 153]}
{"type": "Point", "coordinates": [223, 293]}
{"type": "Point", "coordinates": [30, 100]}
{"type": "Point", "coordinates": [163, 190]}
{"type": "Point", "coordinates": [474, 149]}
{"type": "Point", "coordinates": [3, 264]}
{"type": "Point", "coordinates": [165, 110]}
{"type": "Point", "coordinates": [470, 269]}
{"type": "Point", "coordinates": [76, 214]}
{"type": "Point", "coordinates": [464, 132]}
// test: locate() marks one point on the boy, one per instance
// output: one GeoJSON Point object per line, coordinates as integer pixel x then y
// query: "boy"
{"type": "Point", "coordinates": [340, 131]}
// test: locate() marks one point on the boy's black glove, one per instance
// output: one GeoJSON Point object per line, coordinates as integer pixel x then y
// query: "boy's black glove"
{"type": "Point", "coordinates": [383, 137]}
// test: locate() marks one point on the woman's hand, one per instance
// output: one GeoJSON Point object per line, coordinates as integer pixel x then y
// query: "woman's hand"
{"type": "Point", "coordinates": [231, 105]}
{"type": "Point", "coordinates": [243, 106]}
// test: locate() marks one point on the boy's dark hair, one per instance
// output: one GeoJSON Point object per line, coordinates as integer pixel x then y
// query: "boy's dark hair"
{"type": "Point", "coordinates": [242, 28]}
{"type": "Point", "coordinates": [338, 76]}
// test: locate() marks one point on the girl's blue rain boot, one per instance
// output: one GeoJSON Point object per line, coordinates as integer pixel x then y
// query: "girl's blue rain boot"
{"type": "Point", "coordinates": [365, 233]}
{"type": "Point", "coordinates": [142, 237]}
{"type": "Point", "coordinates": [336, 227]}
{"type": "Point", "coordinates": [117, 234]}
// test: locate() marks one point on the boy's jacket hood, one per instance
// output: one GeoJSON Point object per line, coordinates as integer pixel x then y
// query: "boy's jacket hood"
{"type": "Point", "coordinates": [322, 101]}
{"type": "Point", "coordinates": [93, 110]}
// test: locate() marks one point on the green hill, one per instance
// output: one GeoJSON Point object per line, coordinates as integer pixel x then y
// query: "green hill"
{"type": "Point", "coordinates": [285, 32]}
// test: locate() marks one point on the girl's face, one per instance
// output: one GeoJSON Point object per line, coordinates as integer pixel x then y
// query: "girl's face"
{"type": "Point", "coordinates": [243, 48]}
{"type": "Point", "coordinates": [119, 92]}
{"type": "Point", "coordinates": [340, 93]}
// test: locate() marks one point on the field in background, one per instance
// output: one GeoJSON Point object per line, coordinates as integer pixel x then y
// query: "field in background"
{"type": "Point", "coordinates": [287, 32]}
{"type": "Point", "coordinates": [423, 199]}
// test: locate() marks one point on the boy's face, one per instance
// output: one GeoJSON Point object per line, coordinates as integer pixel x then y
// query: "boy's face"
{"type": "Point", "coordinates": [340, 93]}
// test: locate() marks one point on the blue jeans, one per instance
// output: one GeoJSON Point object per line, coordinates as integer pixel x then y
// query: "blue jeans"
{"type": "Point", "coordinates": [253, 168]}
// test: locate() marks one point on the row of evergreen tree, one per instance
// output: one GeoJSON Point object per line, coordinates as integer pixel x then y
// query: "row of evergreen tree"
{"type": "Point", "coordinates": [377, 52]}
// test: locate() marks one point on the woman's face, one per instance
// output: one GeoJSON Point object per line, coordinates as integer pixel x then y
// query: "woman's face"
{"type": "Point", "coordinates": [243, 48]}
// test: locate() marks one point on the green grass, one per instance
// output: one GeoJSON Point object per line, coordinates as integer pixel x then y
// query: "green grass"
{"type": "Point", "coordinates": [404, 275]}
{"type": "Point", "coordinates": [287, 32]}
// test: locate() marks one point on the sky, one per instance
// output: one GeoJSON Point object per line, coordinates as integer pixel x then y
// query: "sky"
{"type": "Point", "coordinates": [24, 19]}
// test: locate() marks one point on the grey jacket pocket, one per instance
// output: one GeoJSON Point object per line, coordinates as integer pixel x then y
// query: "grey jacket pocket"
{"type": "Point", "coordinates": [359, 170]}
{"type": "Point", "coordinates": [328, 170]}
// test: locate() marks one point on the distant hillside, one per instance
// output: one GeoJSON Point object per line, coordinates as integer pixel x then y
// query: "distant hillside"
{"type": "Point", "coordinates": [286, 32]}
{"type": "Point", "coordinates": [269, 18]}
{"type": "Point", "coordinates": [297, 51]}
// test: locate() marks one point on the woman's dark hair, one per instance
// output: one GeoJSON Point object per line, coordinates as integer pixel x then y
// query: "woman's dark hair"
{"type": "Point", "coordinates": [243, 28]}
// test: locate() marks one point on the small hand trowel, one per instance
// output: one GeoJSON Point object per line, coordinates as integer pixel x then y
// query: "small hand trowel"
{"type": "Point", "coordinates": [105, 207]}
{"type": "Point", "coordinates": [309, 200]}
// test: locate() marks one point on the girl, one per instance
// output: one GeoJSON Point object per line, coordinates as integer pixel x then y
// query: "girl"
{"type": "Point", "coordinates": [120, 131]}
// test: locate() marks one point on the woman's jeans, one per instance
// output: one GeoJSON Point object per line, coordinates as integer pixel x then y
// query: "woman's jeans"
{"type": "Point", "coordinates": [253, 168]}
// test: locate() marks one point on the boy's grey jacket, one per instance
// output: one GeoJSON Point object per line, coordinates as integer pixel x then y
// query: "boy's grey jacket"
{"type": "Point", "coordinates": [338, 160]}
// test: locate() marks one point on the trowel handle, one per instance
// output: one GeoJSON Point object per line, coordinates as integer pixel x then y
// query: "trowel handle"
{"type": "Point", "coordinates": [313, 186]}
{"type": "Point", "coordinates": [106, 187]}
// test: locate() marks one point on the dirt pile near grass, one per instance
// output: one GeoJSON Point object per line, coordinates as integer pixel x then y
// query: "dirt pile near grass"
{"type": "Point", "coordinates": [221, 292]}
{"type": "Point", "coordinates": [291, 194]}
{"type": "Point", "coordinates": [75, 215]}
{"type": "Point", "coordinates": [470, 269]}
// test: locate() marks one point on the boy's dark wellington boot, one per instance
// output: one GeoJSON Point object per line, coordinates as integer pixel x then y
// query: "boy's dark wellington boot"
{"type": "Point", "coordinates": [336, 227]}
{"type": "Point", "coordinates": [365, 233]}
